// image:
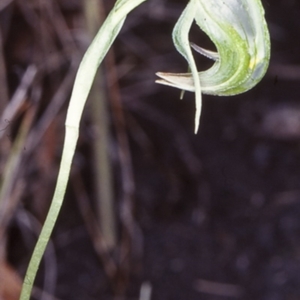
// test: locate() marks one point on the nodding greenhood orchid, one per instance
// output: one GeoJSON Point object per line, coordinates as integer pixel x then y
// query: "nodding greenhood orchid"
{"type": "Point", "coordinates": [240, 34]}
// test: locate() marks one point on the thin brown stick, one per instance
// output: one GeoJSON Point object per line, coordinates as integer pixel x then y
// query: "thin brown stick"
{"type": "Point", "coordinates": [102, 167]}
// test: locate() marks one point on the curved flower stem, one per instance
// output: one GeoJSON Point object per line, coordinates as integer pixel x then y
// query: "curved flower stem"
{"type": "Point", "coordinates": [83, 82]}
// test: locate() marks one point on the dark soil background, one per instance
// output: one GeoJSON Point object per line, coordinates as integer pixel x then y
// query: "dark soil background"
{"type": "Point", "coordinates": [215, 215]}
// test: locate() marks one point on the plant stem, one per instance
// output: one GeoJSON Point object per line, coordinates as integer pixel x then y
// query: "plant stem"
{"type": "Point", "coordinates": [83, 82]}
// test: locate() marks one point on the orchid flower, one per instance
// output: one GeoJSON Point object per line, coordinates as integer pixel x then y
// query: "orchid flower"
{"type": "Point", "coordinates": [239, 31]}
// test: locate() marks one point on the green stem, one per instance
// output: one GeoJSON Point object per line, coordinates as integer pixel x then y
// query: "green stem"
{"type": "Point", "coordinates": [83, 82]}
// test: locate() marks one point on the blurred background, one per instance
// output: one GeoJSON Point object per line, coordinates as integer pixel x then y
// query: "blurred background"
{"type": "Point", "coordinates": [152, 211]}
